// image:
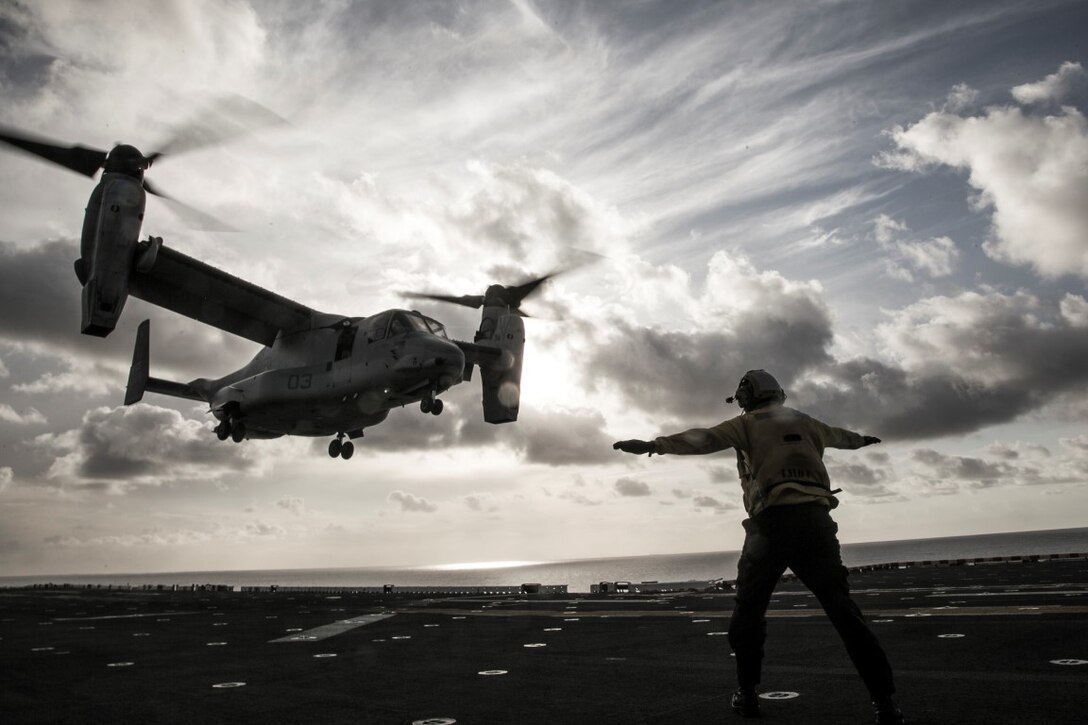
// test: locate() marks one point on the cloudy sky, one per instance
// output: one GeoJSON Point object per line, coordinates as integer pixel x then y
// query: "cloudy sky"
{"type": "Point", "coordinates": [884, 204]}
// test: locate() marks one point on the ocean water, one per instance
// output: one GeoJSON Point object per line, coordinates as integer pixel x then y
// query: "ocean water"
{"type": "Point", "coordinates": [579, 574]}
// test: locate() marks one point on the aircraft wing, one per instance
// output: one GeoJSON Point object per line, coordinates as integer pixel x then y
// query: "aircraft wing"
{"type": "Point", "coordinates": [481, 355]}
{"type": "Point", "coordinates": [177, 282]}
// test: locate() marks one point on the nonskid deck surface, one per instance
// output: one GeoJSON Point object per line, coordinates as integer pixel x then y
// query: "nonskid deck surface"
{"type": "Point", "coordinates": [993, 643]}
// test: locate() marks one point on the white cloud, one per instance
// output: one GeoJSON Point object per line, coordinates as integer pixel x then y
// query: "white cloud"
{"type": "Point", "coordinates": [1002, 464]}
{"type": "Point", "coordinates": [28, 416]}
{"type": "Point", "coordinates": [1056, 86]}
{"type": "Point", "coordinates": [937, 257]}
{"type": "Point", "coordinates": [739, 318]}
{"type": "Point", "coordinates": [1075, 310]}
{"type": "Point", "coordinates": [6, 477]}
{"type": "Point", "coordinates": [260, 528]}
{"type": "Point", "coordinates": [222, 46]}
{"type": "Point", "coordinates": [1031, 171]}
{"type": "Point", "coordinates": [1076, 443]}
{"type": "Point", "coordinates": [294, 504]}
{"type": "Point", "coordinates": [412, 503]}
{"type": "Point", "coordinates": [713, 504]}
{"type": "Point", "coordinates": [475, 502]}
{"type": "Point", "coordinates": [960, 98]}
{"type": "Point", "coordinates": [975, 335]}
{"type": "Point", "coordinates": [3, 369]}
{"type": "Point", "coordinates": [887, 230]}
{"type": "Point", "coordinates": [141, 445]}
{"type": "Point", "coordinates": [153, 537]}
{"type": "Point", "coordinates": [631, 487]}
{"type": "Point", "coordinates": [89, 379]}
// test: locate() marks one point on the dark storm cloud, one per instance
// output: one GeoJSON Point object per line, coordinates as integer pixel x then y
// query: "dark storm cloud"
{"type": "Point", "coordinates": [959, 364]}
{"type": "Point", "coordinates": [861, 480]}
{"type": "Point", "coordinates": [689, 375]}
{"type": "Point", "coordinates": [969, 361]}
{"type": "Point", "coordinates": [1033, 467]}
{"type": "Point", "coordinates": [39, 293]}
{"type": "Point", "coordinates": [875, 398]}
{"type": "Point", "coordinates": [972, 470]}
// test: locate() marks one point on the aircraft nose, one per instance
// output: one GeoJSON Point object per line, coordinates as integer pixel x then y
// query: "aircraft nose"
{"type": "Point", "coordinates": [438, 359]}
{"type": "Point", "coordinates": [450, 360]}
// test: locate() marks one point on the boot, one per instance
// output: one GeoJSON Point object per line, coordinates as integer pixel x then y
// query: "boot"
{"type": "Point", "coordinates": [746, 702]}
{"type": "Point", "coordinates": [887, 713]}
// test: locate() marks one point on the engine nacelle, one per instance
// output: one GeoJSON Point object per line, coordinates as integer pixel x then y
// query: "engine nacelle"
{"type": "Point", "coordinates": [111, 230]}
{"type": "Point", "coordinates": [501, 379]}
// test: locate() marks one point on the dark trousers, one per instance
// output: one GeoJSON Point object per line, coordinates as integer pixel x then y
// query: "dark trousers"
{"type": "Point", "coordinates": [801, 537]}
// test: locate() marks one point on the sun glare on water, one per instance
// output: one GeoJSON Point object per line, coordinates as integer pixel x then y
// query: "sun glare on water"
{"type": "Point", "coordinates": [460, 566]}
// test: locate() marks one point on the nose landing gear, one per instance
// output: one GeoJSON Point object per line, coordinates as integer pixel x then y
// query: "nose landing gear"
{"type": "Point", "coordinates": [339, 448]}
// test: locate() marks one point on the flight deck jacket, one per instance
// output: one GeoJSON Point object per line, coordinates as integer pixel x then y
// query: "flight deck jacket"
{"type": "Point", "coordinates": [779, 454]}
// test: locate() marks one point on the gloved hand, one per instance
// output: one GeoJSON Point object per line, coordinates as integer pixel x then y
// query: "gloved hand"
{"type": "Point", "coordinates": [869, 440]}
{"type": "Point", "coordinates": [634, 446]}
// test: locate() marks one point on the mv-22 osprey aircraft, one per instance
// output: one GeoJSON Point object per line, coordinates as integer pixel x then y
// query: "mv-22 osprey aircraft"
{"type": "Point", "coordinates": [319, 374]}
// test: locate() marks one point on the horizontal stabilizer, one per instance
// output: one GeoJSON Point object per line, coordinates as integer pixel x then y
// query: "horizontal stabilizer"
{"type": "Point", "coordinates": [177, 390]}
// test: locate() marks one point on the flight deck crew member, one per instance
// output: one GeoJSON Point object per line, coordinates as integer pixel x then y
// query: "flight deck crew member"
{"type": "Point", "coordinates": [788, 497]}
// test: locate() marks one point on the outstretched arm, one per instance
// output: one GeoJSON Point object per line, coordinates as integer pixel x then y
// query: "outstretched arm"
{"type": "Point", "coordinates": [833, 437]}
{"type": "Point", "coordinates": [635, 446]}
{"type": "Point", "coordinates": [691, 442]}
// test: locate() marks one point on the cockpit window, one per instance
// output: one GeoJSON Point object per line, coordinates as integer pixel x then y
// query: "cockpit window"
{"type": "Point", "coordinates": [436, 327]}
{"type": "Point", "coordinates": [399, 325]}
{"type": "Point", "coordinates": [376, 329]}
{"type": "Point", "coordinates": [400, 322]}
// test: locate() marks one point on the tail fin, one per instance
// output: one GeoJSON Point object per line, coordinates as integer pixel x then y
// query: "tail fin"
{"type": "Point", "coordinates": [141, 364]}
{"type": "Point", "coordinates": [139, 380]}
{"type": "Point", "coordinates": [501, 378]}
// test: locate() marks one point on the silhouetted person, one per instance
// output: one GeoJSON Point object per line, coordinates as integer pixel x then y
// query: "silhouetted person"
{"type": "Point", "coordinates": [788, 497]}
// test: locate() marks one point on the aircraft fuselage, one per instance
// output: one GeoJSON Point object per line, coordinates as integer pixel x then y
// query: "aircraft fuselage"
{"type": "Point", "coordinates": [338, 379]}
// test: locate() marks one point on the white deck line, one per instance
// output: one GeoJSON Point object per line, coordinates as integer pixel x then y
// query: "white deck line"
{"type": "Point", "coordinates": [331, 630]}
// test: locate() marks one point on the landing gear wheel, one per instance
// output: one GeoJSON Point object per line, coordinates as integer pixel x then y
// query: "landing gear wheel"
{"type": "Point", "coordinates": [347, 450]}
{"type": "Point", "coordinates": [237, 431]}
{"type": "Point", "coordinates": [222, 431]}
{"type": "Point", "coordinates": [426, 405]}
{"type": "Point", "coordinates": [335, 448]}
{"type": "Point", "coordinates": [436, 408]}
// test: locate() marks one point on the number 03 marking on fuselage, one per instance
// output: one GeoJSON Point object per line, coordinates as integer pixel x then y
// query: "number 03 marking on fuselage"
{"type": "Point", "coordinates": [299, 382]}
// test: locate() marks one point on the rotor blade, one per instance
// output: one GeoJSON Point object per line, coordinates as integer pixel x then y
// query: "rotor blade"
{"type": "Point", "coordinates": [192, 217]}
{"type": "Point", "coordinates": [520, 292]}
{"type": "Point", "coordinates": [473, 301]}
{"type": "Point", "coordinates": [516, 294]}
{"type": "Point", "coordinates": [80, 159]}
{"type": "Point", "coordinates": [227, 117]}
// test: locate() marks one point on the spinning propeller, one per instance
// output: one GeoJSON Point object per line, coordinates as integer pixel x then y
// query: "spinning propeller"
{"type": "Point", "coordinates": [496, 295]}
{"type": "Point", "coordinates": [228, 117]}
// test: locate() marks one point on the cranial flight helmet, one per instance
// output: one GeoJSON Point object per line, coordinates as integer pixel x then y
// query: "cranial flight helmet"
{"type": "Point", "coordinates": [757, 388]}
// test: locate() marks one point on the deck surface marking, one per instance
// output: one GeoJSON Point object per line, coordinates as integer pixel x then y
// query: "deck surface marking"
{"type": "Point", "coordinates": [331, 630]}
